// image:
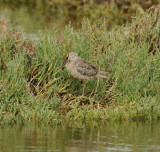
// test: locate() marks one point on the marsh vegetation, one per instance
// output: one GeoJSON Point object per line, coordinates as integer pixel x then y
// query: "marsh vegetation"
{"type": "Point", "coordinates": [33, 87]}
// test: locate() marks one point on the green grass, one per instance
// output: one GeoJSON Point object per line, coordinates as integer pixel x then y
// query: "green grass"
{"type": "Point", "coordinates": [34, 88]}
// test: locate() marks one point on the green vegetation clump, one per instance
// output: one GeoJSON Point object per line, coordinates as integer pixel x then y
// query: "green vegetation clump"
{"type": "Point", "coordinates": [33, 87]}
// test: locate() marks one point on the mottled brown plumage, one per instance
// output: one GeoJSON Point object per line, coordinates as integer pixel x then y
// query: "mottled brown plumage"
{"type": "Point", "coordinates": [81, 69]}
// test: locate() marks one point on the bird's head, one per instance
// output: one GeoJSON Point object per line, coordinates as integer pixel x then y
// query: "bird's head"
{"type": "Point", "coordinates": [70, 57]}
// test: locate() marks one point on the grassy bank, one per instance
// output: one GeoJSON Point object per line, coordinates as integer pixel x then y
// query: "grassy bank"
{"type": "Point", "coordinates": [63, 11]}
{"type": "Point", "coordinates": [34, 88]}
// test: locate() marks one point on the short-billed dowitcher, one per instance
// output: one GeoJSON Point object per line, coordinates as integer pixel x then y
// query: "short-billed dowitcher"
{"type": "Point", "coordinates": [81, 69]}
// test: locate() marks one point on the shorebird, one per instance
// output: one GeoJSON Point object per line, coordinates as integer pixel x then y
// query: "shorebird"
{"type": "Point", "coordinates": [81, 69]}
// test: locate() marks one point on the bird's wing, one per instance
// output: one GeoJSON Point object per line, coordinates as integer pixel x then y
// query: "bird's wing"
{"type": "Point", "coordinates": [85, 68]}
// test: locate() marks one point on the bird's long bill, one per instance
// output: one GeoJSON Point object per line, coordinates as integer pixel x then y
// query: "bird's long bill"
{"type": "Point", "coordinates": [64, 64]}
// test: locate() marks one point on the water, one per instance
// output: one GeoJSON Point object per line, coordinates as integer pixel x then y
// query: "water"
{"type": "Point", "coordinates": [29, 22]}
{"type": "Point", "coordinates": [82, 137]}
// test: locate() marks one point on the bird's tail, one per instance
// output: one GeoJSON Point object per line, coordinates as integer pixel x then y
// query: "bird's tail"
{"type": "Point", "coordinates": [102, 74]}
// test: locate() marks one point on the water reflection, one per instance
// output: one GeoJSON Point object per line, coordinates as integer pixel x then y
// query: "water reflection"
{"type": "Point", "coordinates": [102, 136]}
{"type": "Point", "coordinates": [29, 22]}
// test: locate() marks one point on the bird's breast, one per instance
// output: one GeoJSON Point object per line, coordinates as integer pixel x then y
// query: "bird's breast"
{"type": "Point", "coordinates": [70, 66]}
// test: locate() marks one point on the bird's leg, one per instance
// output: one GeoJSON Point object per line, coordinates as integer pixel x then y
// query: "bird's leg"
{"type": "Point", "coordinates": [84, 85]}
{"type": "Point", "coordinates": [96, 87]}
